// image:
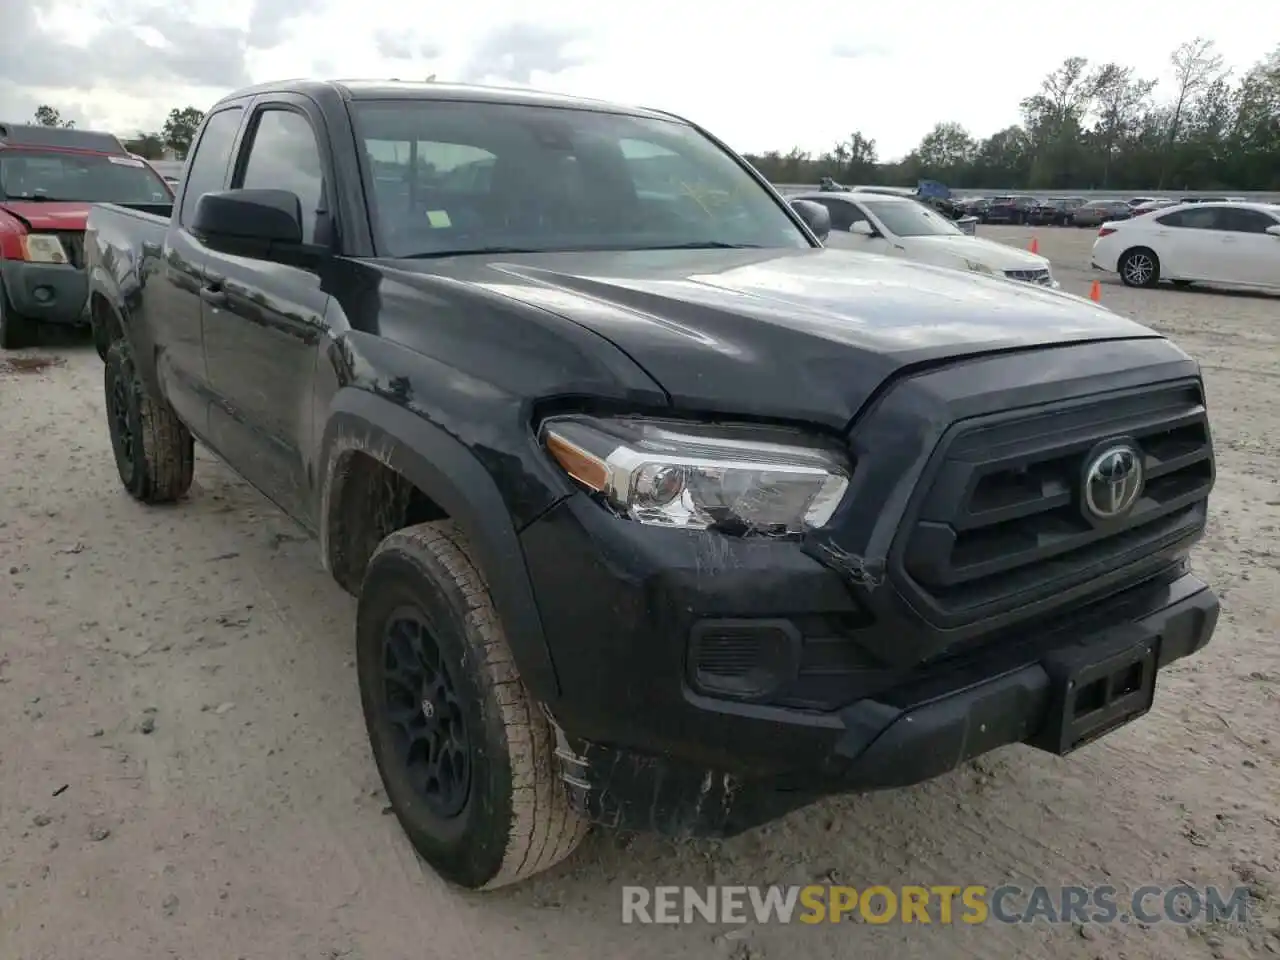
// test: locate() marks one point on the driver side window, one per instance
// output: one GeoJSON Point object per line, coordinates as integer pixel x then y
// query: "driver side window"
{"type": "Point", "coordinates": [284, 155]}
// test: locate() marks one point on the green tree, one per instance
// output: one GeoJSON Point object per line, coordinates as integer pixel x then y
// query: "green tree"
{"type": "Point", "coordinates": [180, 129]}
{"type": "Point", "coordinates": [47, 116]}
{"type": "Point", "coordinates": [1085, 128]}
{"type": "Point", "coordinates": [1119, 101]}
{"type": "Point", "coordinates": [1195, 67]}
{"type": "Point", "coordinates": [147, 145]}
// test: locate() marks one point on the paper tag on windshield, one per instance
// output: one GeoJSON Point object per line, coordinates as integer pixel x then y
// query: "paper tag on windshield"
{"type": "Point", "coordinates": [126, 161]}
{"type": "Point", "coordinates": [439, 218]}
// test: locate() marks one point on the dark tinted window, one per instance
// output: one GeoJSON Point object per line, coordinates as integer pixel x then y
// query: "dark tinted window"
{"type": "Point", "coordinates": [843, 213]}
{"type": "Point", "coordinates": [1194, 218]}
{"type": "Point", "coordinates": [1244, 221]}
{"type": "Point", "coordinates": [207, 168]}
{"type": "Point", "coordinates": [284, 156]}
{"type": "Point", "coordinates": [458, 177]}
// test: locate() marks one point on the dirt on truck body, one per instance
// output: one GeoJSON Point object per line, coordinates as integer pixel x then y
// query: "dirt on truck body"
{"type": "Point", "coordinates": [659, 515]}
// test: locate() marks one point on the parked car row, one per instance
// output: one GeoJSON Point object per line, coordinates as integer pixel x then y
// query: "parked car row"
{"type": "Point", "coordinates": [1024, 209]}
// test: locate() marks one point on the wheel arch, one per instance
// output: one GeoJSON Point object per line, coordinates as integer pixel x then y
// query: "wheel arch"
{"type": "Point", "coordinates": [365, 435]}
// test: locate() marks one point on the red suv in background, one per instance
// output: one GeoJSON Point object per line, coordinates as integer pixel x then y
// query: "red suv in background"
{"type": "Point", "coordinates": [49, 177]}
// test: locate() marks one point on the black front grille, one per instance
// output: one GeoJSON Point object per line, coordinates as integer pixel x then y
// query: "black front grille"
{"type": "Point", "coordinates": [1002, 525]}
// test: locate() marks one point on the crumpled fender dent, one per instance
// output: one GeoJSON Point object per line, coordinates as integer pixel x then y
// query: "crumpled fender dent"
{"type": "Point", "coordinates": [446, 471]}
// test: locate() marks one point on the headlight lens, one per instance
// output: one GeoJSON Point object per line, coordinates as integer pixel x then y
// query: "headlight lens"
{"type": "Point", "coordinates": [978, 267]}
{"type": "Point", "coordinates": [42, 248]}
{"type": "Point", "coordinates": [734, 479]}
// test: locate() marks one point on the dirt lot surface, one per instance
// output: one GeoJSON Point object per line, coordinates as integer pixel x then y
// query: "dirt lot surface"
{"type": "Point", "coordinates": [184, 771]}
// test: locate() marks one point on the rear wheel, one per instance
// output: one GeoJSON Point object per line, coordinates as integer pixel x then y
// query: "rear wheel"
{"type": "Point", "coordinates": [154, 451]}
{"type": "Point", "coordinates": [1139, 267]}
{"type": "Point", "coordinates": [465, 754]}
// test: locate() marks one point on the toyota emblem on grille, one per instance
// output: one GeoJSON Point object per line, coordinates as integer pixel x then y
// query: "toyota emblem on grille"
{"type": "Point", "coordinates": [1113, 482]}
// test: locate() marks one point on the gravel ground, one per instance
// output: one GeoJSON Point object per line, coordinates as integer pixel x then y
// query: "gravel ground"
{"type": "Point", "coordinates": [184, 770]}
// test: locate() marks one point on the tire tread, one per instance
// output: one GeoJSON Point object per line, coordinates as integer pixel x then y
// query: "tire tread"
{"type": "Point", "coordinates": [167, 447]}
{"type": "Point", "coordinates": [544, 828]}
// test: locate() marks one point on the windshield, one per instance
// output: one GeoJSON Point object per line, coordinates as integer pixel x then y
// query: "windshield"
{"type": "Point", "coordinates": [452, 177]}
{"type": "Point", "coordinates": [83, 177]}
{"type": "Point", "coordinates": [911, 219]}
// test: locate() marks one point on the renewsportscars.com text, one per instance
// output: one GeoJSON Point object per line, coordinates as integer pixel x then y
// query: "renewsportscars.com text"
{"type": "Point", "coordinates": [937, 904]}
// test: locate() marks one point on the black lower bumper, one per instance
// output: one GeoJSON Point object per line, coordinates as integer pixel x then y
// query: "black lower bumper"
{"type": "Point", "coordinates": [47, 292]}
{"type": "Point", "coordinates": [1071, 690]}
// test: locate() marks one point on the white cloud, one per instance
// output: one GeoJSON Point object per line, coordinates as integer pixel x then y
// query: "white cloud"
{"type": "Point", "coordinates": [759, 81]}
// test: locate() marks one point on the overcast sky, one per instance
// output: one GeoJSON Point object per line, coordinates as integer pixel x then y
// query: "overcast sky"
{"type": "Point", "coordinates": [758, 81]}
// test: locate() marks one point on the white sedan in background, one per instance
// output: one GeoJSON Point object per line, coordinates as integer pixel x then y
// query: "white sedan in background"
{"type": "Point", "coordinates": [1232, 243]}
{"type": "Point", "coordinates": [904, 227]}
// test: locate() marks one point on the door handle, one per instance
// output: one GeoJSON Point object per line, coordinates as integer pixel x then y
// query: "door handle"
{"type": "Point", "coordinates": [213, 294]}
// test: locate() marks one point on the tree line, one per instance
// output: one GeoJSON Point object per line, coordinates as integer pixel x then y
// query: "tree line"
{"type": "Point", "coordinates": [176, 134]}
{"type": "Point", "coordinates": [1092, 127]}
{"type": "Point", "coordinates": [1088, 127]}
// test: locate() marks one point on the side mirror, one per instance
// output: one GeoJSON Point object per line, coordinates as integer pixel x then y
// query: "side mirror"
{"type": "Point", "coordinates": [815, 216]}
{"type": "Point", "coordinates": [249, 216]}
{"type": "Point", "coordinates": [1274, 230]}
{"type": "Point", "coordinates": [862, 228]}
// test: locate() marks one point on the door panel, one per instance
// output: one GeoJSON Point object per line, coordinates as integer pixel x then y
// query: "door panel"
{"type": "Point", "coordinates": [1255, 254]}
{"type": "Point", "coordinates": [264, 319]}
{"type": "Point", "coordinates": [262, 327]}
{"type": "Point", "coordinates": [180, 360]}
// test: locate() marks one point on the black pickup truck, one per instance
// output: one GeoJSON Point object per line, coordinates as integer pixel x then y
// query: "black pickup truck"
{"type": "Point", "coordinates": [660, 515]}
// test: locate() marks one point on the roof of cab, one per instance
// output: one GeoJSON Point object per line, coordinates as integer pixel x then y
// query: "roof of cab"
{"type": "Point", "coordinates": [59, 138]}
{"type": "Point", "coordinates": [431, 90]}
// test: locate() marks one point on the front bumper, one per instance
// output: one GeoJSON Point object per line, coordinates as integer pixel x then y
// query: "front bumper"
{"type": "Point", "coordinates": [48, 292]}
{"type": "Point", "coordinates": [917, 731]}
{"type": "Point", "coordinates": [707, 682]}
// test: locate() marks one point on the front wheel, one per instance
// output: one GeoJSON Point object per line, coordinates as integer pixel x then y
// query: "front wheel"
{"type": "Point", "coordinates": [464, 752]}
{"type": "Point", "coordinates": [1139, 267]}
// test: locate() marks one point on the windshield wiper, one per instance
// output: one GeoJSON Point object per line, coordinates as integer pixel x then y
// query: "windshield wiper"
{"type": "Point", "coordinates": [470, 251]}
{"type": "Point", "coordinates": [703, 245]}
{"type": "Point", "coordinates": [39, 198]}
{"type": "Point", "coordinates": [584, 248]}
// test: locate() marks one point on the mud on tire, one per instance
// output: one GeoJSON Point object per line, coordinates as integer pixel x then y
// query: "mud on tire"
{"type": "Point", "coordinates": [425, 607]}
{"type": "Point", "coordinates": [154, 451]}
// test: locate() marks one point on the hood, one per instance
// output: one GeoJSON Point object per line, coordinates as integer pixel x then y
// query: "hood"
{"type": "Point", "coordinates": [997, 256]}
{"type": "Point", "coordinates": [804, 334]}
{"type": "Point", "coordinates": [39, 215]}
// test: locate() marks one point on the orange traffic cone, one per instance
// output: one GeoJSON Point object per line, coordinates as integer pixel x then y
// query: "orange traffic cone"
{"type": "Point", "coordinates": [1035, 245]}
{"type": "Point", "coordinates": [1095, 292]}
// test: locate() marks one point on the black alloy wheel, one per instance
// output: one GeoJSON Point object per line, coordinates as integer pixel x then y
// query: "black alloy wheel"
{"type": "Point", "coordinates": [424, 712]}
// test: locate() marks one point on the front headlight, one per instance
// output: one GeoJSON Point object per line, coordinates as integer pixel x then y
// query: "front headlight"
{"type": "Point", "coordinates": [978, 267]}
{"type": "Point", "coordinates": [738, 480]}
{"type": "Point", "coordinates": [43, 248]}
